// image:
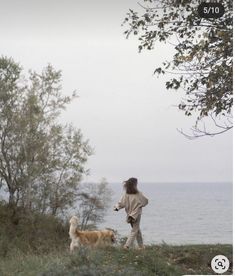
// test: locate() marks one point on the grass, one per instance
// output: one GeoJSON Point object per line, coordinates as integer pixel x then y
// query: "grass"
{"type": "Point", "coordinates": [154, 260]}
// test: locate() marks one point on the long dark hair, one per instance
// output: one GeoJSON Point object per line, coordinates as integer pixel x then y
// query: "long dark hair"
{"type": "Point", "coordinates": [131, 186]}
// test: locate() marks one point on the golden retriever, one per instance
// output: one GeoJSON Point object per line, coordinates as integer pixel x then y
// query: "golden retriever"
{"type": "Point", "coordinates": [88, 238]}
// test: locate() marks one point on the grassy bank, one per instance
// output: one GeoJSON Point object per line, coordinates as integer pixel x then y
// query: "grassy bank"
{"type": "Point", "coordinates": [154, 260]}
{"type": "Point", "coordinates": [34, 244]}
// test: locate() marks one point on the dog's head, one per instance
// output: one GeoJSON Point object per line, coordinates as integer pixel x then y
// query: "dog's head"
{"type": "Point", "coordinates": [74, 220]}
{"type": "Point", "coordinates": [112, 234]}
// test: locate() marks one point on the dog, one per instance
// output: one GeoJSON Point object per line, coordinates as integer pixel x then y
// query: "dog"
{"type": "Point", "coordinates": [88, 238]}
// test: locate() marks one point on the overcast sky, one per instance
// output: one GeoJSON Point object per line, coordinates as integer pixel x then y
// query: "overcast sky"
{"type": "Point", "coordinates": [126, 112]}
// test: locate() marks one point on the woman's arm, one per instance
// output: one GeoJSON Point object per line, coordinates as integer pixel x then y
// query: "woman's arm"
{"type": "Point", "coordinates": [120, 204]}
{"type": "Point", "coordinates": [144, 200]}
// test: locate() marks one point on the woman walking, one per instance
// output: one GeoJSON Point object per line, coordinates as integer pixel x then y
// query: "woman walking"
{"type": "Point", "coordinates": [133, 201]}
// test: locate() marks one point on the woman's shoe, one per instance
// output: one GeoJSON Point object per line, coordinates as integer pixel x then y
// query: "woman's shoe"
{"type": "Point", "coordinates": [125, 247]}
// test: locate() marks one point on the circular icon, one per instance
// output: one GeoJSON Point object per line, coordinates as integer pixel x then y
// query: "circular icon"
{"type": "Point", "coordinates": [220, 264]}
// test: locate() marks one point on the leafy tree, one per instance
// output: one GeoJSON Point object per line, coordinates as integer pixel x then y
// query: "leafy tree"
{"type": "Point", "coordinates": [202, 63]}
{"type": "Point", "coordinates": [41, 161]}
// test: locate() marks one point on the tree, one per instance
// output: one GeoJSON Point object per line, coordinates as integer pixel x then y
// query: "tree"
{"type": "Point", "coordinates": [41, 161]}
{"type": "Point", "coordinates": [94, 199]}
{"type": "Point", "coordinates": [202, 63]}
{"type": "Point", "coordinates": [57, 189]}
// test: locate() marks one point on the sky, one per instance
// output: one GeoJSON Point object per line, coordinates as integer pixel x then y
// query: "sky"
{"type": "Point", "coordinates": [125, 111]}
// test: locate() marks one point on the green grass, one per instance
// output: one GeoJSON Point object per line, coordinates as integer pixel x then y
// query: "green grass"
{"type": "Point", "coordinates": [154, 260]}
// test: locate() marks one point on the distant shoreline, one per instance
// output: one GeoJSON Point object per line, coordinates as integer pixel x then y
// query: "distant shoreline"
{"type": "Point", "coordinates": [166, 182]}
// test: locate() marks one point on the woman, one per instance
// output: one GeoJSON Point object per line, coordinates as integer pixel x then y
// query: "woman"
{"type": "Point", "coordinates": [133, 201]}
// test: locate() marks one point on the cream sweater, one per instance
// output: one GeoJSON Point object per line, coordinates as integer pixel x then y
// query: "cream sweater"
{"type": "Point", "coordinates": [132, 203]}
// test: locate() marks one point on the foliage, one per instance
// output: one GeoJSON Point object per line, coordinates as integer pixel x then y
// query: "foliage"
{"type": "Point", "coordinates": [32, 233]}
{"type": "Point", "coordinates": [202, 63]}
{"type": "Point", "coordinates": [93, 201]}
{"type": "Point", "coordinates": [41, 161]}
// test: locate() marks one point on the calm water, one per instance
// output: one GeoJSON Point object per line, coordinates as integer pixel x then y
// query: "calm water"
{"type": "Point", "coordinates": [180, 213]}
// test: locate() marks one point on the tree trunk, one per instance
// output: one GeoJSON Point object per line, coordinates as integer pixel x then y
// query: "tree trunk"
{"type": "Point", "coordinates": [11, 199]}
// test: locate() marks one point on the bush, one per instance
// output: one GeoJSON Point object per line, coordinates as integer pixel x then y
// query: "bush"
{"type": "Point", "coordinates": [30, 232]}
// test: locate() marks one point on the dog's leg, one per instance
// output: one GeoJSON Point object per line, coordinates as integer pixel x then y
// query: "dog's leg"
{"type": "Point", "coordinates": [72, 245]}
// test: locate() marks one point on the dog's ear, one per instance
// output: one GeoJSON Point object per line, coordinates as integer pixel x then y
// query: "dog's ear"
{"type": "Point", "coordinates": [113, 238]}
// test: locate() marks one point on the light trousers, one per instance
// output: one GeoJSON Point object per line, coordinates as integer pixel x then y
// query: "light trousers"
{"type": "Point", "coordinates": [135, 233]}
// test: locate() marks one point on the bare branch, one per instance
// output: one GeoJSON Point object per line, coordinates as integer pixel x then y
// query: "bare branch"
{"type": "Point", "coordinates": [198, 132]}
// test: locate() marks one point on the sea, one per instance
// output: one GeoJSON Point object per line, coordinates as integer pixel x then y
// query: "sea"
{"type": "Point", "coordinates": [179, 213]}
